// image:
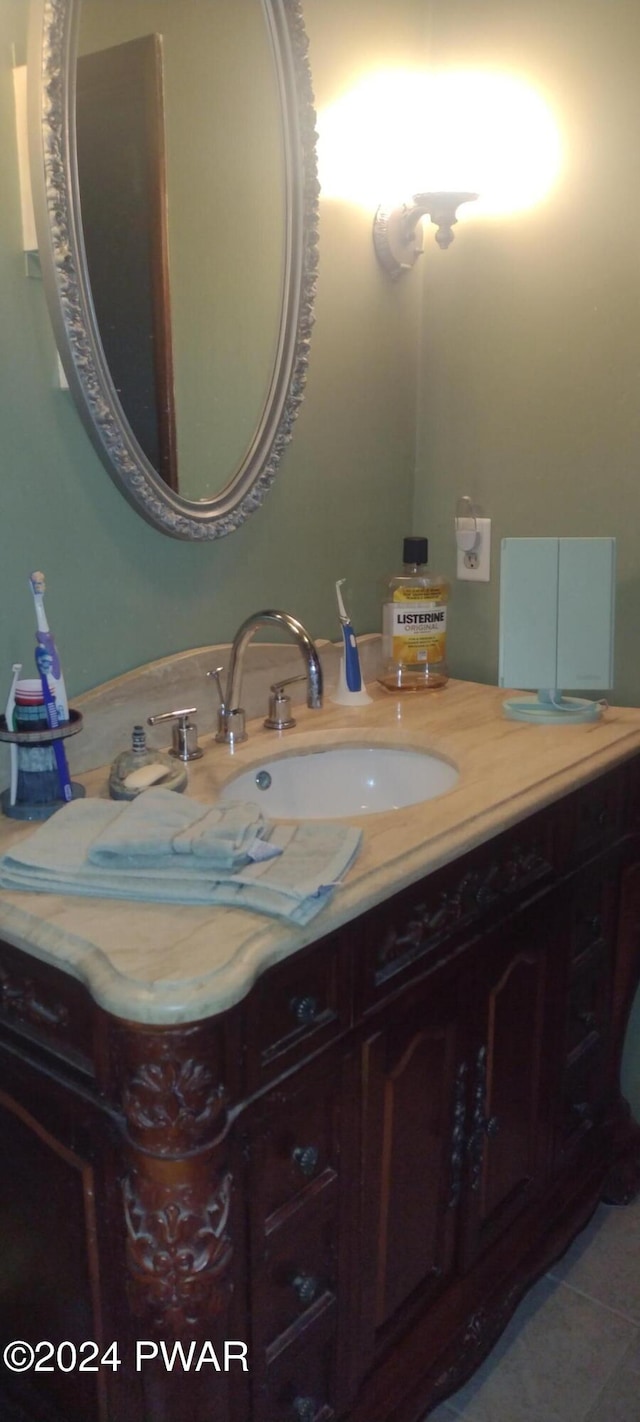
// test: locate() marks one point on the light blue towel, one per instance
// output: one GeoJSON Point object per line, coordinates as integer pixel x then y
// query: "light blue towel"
{"type": "Point", "coordinates": [59, 858]}
{"type": "Point", "coordinates": [145, 832]}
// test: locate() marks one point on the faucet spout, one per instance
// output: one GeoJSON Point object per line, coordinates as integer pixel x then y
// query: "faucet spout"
{"type": "Point", "coordinates": [231, 727]}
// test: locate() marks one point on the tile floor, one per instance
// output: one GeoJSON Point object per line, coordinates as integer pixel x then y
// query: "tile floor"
{"type": "Point", "coordinates": [572, 1350]}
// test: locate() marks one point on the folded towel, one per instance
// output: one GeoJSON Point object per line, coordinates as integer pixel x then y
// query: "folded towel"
{"type": "Point", "coordinates": [59, 858]}
{"type": "Point", "coordinates": [147, 830]}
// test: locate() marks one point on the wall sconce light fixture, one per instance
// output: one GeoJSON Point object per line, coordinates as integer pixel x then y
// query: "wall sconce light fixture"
{"type": "Point", "coordinates": [398, 233]}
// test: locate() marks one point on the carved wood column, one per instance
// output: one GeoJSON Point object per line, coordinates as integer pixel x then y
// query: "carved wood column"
{"type": "Point", "coordinates": [177, 1186]}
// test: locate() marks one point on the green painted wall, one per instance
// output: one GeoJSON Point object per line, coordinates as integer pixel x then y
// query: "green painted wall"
{"type": "Point", "coordinates": [529, 399]}
{"type": "Point", "coordinates": [120, 593]}
{"type": "Point", "coordinates": [529, 391]}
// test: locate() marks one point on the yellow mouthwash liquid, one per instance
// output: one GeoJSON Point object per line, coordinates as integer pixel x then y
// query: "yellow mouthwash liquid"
{"type": "Point", "coordinates": [414, 624]}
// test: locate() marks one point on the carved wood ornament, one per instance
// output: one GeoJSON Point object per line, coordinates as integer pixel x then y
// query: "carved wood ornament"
{"type": "Point", "coordinates": [178, 1251]}
{"type": "Point", "coordinates": [474, 892]}
{"type": "Point", "coordinates": [19, 997]}
{"type": "Point", "coordinates": [483, 1328]}
{"type": "Point", "coordinates": [181, 1100]}
{"type": "Point", "coordinates": [458, 1135]}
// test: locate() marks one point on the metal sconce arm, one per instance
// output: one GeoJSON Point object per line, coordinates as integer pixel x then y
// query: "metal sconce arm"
{"type": "Point", "coordinates": [397, 231]}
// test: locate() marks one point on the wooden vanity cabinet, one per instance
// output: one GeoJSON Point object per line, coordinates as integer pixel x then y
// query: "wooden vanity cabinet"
{"type": "Point", "coordinates": [357, 1171]}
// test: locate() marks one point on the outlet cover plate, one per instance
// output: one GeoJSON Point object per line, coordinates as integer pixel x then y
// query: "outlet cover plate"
{"type": "Point", "coordinates": [475, 567]}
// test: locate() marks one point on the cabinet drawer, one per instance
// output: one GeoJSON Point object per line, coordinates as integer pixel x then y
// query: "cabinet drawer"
{"type": "Point", "coordinates": [47, 1006]}
{"type": "Point", "coordinates": [588, 1012]}
{"type": "Point", "coordinates": [591, 914]}
{"type": "Point", "coordinates": [301, 1376]}
{"type": "Point", "coordinates": [411, 932]}
{"type": "Point", "coordinates": [296, 1279]}
{"type": "Point", "coordinates": [297, 1150]}
{"type": "Point", "coordinates": [584, 1093]}
{"type": "Point", "coordinates": [294, 1009]}
{"type": "Point", "coordinates": [593, 817]}
{"type": "Point", "coordinates": [631, 774]}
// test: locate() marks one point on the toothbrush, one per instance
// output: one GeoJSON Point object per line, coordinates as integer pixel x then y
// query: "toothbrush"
{"type": "Point", "coordinates": [8, 716]}
{"type": "Point", "coordinates": [42, 657]}
{"type": "Point", "coordinates": [45, 638]}
{"type": "Point", "coordinates": [352, 672]}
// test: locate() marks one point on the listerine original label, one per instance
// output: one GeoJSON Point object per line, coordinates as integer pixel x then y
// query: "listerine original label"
{"type": "Point", "coordinates": [415, 626]}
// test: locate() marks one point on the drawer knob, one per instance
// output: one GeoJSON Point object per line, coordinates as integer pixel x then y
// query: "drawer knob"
{"type": "Point", "coordinates": [305, 1009]}
{"type": "Point", "coordinates": [582, 1110]}
{"type": "Point", "coordinates": [306, 1287]}
{"type": "Point", "coordinates": [306, 1158]}
{"type": "Point", "coordinates": [304, 1409]}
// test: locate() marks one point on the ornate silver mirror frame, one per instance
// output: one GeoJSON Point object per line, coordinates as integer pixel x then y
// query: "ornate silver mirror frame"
{"type": "Point", "coordinates": [52, 50]}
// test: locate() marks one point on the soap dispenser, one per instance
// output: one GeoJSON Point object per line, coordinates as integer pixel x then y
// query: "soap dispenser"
{"type": "Point", "coordinates": [136, 769]}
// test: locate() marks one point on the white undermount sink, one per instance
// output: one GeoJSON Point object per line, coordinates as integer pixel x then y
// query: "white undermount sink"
{"type": "Point", "coordinates": [349, 780]}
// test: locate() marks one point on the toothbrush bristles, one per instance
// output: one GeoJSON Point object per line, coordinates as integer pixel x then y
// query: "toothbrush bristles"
{"type": "Point", "coordinates": [37, 582]}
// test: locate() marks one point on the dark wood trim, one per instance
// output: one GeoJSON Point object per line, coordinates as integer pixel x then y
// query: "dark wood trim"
{"type": "Point", "coordinates": [361, 1193]}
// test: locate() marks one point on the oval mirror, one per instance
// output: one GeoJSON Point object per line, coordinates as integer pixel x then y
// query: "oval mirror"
{"type": "Point", "coordinates": [174, 175]}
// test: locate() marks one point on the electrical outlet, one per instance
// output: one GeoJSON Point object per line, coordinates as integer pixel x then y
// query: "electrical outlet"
{"type": "Point", "coordinates": [475, 566]}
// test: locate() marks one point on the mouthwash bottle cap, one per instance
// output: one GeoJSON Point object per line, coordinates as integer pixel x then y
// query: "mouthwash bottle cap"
{"type": "Point", "coordinates": [415, 550]}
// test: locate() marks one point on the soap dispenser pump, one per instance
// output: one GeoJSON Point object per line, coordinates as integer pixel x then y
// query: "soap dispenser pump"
{"type": "Point", "coordinates": [136, 769]}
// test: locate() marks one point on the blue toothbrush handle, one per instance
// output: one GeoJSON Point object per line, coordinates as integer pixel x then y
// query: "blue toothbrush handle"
{"type": "Point", "coordinates": [352, 672]}
{"type": "Point", "coordinates": [63, 770]}
{"type": "Point", "coordinates": [66, 791]}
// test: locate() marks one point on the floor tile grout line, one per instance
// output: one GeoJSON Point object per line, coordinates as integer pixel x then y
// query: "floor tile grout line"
{"type": "Point", "coordinates": [615, 1373]}
{"type": "Point", "coordinates": [634, 1323]}
{"type": "Point", "coordinates": [599, 1303]}
{"type": "Point", "coordinates": [468, 1416]}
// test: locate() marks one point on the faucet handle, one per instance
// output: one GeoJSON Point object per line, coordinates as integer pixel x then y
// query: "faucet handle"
{"type": "Point", "coordinates": [184, 733]}
{"type": "Point", "coordinates": [278, 685]}
{"type": "Point", "coordinates": [280, 718]}
{"type": "Point", "coordinates": [216, 677]}
{"type": "Point", "coordinates": [231, 719]}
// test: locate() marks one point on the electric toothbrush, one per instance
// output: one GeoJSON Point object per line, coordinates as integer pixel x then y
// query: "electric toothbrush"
{"type": "Point", "coordinates": [353, 675]}
{"type": "Point", "coordinates": [45, 638]}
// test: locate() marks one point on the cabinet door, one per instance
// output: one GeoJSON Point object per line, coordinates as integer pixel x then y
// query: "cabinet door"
{"type": "Point", "coordinates": [627, 954]}
{"type": "Point", "coordinates": [414, 1104]}
{"type": "Point", "coordinates": [586, 1085]}
{"type": "Point", "coordinates": [61, 1251]}
{"type": "Point", "coordinates": [514, 1067]}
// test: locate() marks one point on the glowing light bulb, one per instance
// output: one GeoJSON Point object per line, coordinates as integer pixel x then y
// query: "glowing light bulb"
{"type": "Point", "coordinates": [398, 132]}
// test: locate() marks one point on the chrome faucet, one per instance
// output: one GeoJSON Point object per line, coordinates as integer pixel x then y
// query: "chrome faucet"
{"type": "Point", "coordinates": [231, 716]}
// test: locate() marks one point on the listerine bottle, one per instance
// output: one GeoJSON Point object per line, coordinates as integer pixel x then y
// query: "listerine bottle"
{"type": "Point", "coordinates": [414, 624]}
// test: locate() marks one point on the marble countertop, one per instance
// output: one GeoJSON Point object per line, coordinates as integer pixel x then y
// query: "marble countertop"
{"type": "Point", "coordinates": [162, 964]}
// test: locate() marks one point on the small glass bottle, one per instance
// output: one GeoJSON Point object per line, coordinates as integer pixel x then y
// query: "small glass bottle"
{"type": "Point", "coordinates": [414, 624]}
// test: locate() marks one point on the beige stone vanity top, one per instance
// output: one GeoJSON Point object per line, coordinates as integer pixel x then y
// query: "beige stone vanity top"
{"type": "Point", "coordinates": [163, 964]}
